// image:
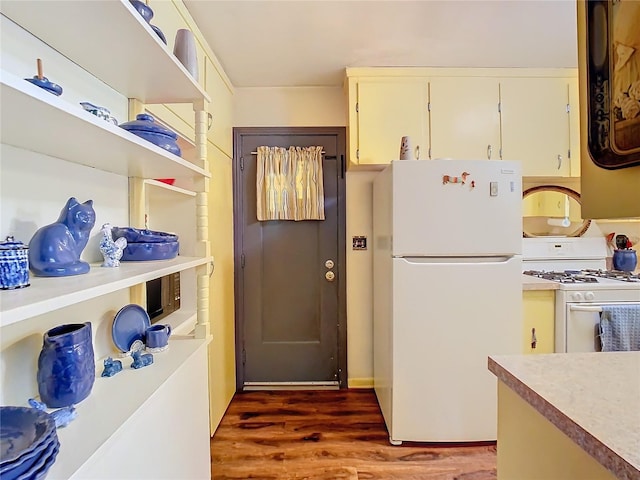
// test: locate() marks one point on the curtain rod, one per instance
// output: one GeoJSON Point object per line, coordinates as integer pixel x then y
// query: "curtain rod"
{"type": "Point", "coordinates": [255, 153]}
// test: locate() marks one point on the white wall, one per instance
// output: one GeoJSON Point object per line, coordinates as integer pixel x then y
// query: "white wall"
{"type": "Point", "coordinates": [290, 107]}
{"type": "Point", "coordinates": [34, 189]}
{"type": "Point", "coordinates": [327, 107]}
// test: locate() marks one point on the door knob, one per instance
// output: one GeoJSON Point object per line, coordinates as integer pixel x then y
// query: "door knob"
{"type": "Point", "coordinates": [329, 264]}
{"type": "Point", "coordinates": [330, 276]}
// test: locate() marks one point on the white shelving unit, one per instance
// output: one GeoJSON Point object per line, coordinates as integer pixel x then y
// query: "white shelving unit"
{"type": "Point", "coordinates": [47, 294]}
{"type": "Point", "coordinates": [112, 42]}
{"type": "Point", "coordinates": [69, 132]}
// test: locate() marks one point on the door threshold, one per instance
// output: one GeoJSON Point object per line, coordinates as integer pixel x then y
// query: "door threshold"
{"type": "Point", "coordinates": [255, 386]}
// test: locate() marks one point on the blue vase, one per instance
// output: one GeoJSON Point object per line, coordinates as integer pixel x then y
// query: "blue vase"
{"type": "Point", "coordinates": [66, 366]}
{"type": "Point", "coordinates": [625, 260]}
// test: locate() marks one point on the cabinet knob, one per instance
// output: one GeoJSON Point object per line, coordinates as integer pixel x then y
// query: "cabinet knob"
{"type": "Point", "coordinates": [489, 152]}
{"type": "Point", "coordinates": [209, 121]}
{"type": "Point", "coordinates": [418, 152]}
{"type": "Point", "coordinates": [330, 276]}
{"type": "Point", "coordinates": [559, 161]}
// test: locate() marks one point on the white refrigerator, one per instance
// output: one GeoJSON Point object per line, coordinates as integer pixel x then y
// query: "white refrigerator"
{"type": "Point", "coordinates": [447, 241]}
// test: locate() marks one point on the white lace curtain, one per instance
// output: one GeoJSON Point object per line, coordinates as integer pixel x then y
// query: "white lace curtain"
{"type": "Point", "coordinates": [289, 183]}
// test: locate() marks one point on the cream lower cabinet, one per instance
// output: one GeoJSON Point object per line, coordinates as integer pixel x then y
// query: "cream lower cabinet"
{"type": "Point", "coordinates": [530, 447]}
{"type": "Point", "coordinates": [464, 117]}
{"type": "Point", "coordinates": [537, 124]}
{"type": "Point", "coordinates": [381, 112]}
{"type": "Point", "coordinates": [539, 321]}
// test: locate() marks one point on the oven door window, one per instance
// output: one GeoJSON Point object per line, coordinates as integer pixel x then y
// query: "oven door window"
{"type": "Point", "coordinates": [582, 328]}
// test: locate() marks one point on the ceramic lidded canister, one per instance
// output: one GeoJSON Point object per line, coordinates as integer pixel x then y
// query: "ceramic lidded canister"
{"type": "Point", "coordinates": [14, 264]}
{"type": "Point", "coordinates": [145, 127]}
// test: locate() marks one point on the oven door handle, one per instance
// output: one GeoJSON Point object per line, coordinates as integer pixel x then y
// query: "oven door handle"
{"type": "Point", "coordinates": [580, 308]}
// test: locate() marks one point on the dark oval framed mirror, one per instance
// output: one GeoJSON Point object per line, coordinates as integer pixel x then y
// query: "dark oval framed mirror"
{"type": "Point", "coordinates": [552, 211]}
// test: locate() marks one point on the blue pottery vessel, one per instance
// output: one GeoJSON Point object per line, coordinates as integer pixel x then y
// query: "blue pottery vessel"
{"type": "Point", "coordinates": [144, 126]}
{"type": "Point", "coordinates": [66, 366]}
{"type": "Point", "coordinates": [625, 260]}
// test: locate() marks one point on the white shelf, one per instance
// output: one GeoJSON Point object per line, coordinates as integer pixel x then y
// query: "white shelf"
{"type": "Point", "coordinates": [36, 120]}
{"type": "Point", "coordinates": [171, 188]}
{"type": "Point", "coordinates": [130, 58]}
{"type": "Point", "coordinates": [51, 293]}
{"type": "Point", "coordinates": [114, 400]}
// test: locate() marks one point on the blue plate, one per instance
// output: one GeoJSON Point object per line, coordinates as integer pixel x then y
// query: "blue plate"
{"type": "Point", "coordinates": [45, 84]}
{"type": "Point", "coordinates": [130, 324]}
{"type": "Point", "coordinates": [22, 430]}
{"type": "Point", "coordinates": [27, 461]}
{"type": "Point", "coordinates": [44, 463]}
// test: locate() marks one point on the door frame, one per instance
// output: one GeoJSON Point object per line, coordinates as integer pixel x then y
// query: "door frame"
{"type": "Point", "coordinates": [239, 291]}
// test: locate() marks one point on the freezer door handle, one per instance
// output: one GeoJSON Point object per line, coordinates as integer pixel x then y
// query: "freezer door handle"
{"type": "Point", "coordinates": [458, 260]}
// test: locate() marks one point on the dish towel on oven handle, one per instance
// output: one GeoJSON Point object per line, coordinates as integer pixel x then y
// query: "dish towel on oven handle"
{"type": "Point", "coordinates": [620, 328]}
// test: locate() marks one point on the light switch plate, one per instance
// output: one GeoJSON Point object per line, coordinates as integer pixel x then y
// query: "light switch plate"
{"type": "Point", "coordinates": [493, 189]}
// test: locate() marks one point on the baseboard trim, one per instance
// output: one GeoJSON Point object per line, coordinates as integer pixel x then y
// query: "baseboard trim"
{"type": "Point", "coordinates": [364, 382]}
{"type": "Point", "coordinates": [257, 386]}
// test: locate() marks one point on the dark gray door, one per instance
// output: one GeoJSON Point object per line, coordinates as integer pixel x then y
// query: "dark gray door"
{"type": "Point", "coordinates": [290, 276]}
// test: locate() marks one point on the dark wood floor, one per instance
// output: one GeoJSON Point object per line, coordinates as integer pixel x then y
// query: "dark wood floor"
{"type": "Point", "coordinates": [330, 435]}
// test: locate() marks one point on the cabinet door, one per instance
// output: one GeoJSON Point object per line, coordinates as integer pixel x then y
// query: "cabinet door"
{"type": "Point", "coordinates": [535, 124]}
{"type": "Point", "coordinates": [386, 112]}
{"type": "Point", "coordinates": [539, 321]}
{"type": "Point", "coordinates": [465, 121]}
{"type": "Point", "coordinates": [221, 109]}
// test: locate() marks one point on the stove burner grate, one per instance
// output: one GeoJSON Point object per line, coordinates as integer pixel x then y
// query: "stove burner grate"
{"type": "Point", "coordinates": [563, 277]}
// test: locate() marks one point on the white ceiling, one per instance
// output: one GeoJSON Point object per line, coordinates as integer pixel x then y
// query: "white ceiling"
{"type": "Point", "coordinates": [308, 43]}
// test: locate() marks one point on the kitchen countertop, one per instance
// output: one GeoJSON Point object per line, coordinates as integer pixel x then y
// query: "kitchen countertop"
{"type": "Point", "coordinates": [592, 398]}
{"type": "Point", "coordinates": [535, 283]}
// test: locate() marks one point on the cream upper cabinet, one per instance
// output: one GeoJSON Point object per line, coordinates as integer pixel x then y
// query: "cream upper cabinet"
{"type": "Point", "coordinates": [220, 117]}
{"type": "Point", "coordinates": [465, 120]}
{"type": "Point", "coordinates": [382, 111]}
{"type": "Point", "coordinates": [536, 124]}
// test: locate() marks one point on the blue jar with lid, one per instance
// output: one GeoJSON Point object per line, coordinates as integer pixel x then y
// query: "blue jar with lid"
{"type": "Point", "coordinates": [144, 126]}
{"type": "Point", "coordinates": [14, 264]}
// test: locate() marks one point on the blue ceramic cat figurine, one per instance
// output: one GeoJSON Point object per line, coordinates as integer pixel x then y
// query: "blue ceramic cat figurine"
{"type": "Point", "coordinates": [54, 250]}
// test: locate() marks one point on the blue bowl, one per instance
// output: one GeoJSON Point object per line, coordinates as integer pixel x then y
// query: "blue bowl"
{"type": "Point", "coordinates": [137, 235]}
{"type": "Point", "coordinates": [137, 252]}
{"type": "Point", "coordinates": [46, 85]}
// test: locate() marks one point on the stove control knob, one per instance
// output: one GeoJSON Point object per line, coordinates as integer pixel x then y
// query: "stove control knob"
{"type": "Point", "coordinates": [589, 296]}
{"type": "Point", "coordinates": [577, 296]}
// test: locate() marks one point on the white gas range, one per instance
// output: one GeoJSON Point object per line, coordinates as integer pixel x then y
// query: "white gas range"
{"type": "Point", "coordinates": [578, 265]}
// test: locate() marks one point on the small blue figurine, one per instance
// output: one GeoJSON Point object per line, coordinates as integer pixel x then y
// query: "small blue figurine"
{"type": "Point", "coordinates": [111, 367]}
{"type": "Point", "coordinates": [62, 417]}
{"type": "Point", "coordinates": [111, 250]}
{"type": "Point", "coordinates": [141, 359]}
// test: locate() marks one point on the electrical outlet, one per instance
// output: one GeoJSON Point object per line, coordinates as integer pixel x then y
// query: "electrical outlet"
{"type": "Point", "coordinates": [360, 242]}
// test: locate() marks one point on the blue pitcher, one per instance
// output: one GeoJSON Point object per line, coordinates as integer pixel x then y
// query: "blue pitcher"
{"type": "Point", "coordinates": [66, 366]}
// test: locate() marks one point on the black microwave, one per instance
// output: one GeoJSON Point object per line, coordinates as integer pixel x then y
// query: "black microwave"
{"type": "Point", "coordinates": [163, 296]}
